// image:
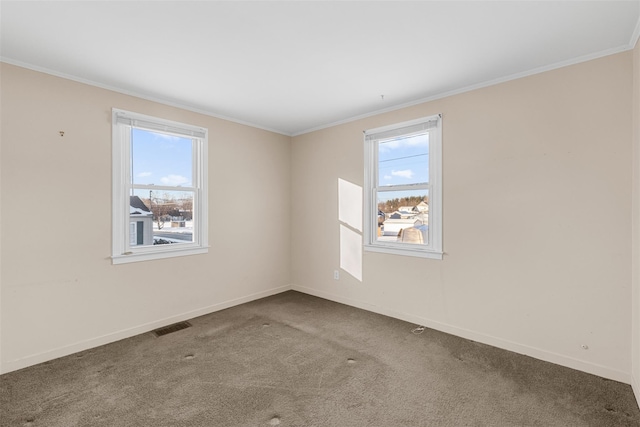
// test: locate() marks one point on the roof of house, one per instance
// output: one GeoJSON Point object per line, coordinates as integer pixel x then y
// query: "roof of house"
{"type": "Point", "coordinates": [422, 207]}
{"type": "Point", "coordinates": [137, 206]}
{"type": "Point", "coordinates": [406, 208]}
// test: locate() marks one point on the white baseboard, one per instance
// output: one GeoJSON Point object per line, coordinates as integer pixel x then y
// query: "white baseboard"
{"type": "Point", "coordinates": [558, 359]}
{"type": "Point", "coordinates": [536, 353]}
{"type": "Point", "coordinates": [635, 384]}
{"type": "Point", "coordinates": [34, 359]}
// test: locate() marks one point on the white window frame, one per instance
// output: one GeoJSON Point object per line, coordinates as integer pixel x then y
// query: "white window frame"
{"type": "Point", "coordinates": [122, 123]}
{"type": "Point", "coordinates": [372, 137]}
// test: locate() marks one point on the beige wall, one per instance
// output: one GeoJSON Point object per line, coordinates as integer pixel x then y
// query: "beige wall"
{"type": "Point", "coordinates": [1, 234]}
{"type": "Point", "coordinates": [60, 292]}
{"type": "Point", "coordinates": [635, 301]}
{"type": "Point", "coordinates": [537, 218]}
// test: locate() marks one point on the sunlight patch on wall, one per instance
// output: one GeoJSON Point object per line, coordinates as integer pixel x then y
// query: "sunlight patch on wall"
{"type": "Point", "coordinates": [351, 252]}
{"type": "Point", "coordinates": [350, 204]}
{"type": "Point", "coordinates": [350, 216]}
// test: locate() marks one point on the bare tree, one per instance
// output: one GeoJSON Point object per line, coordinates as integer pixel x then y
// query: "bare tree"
{"type": "Point", "coordinates": [185, 206]}
{"type": "Point", "coordinates": [161, 206]}
{"type": "Point", "coordinates": [393, 205]}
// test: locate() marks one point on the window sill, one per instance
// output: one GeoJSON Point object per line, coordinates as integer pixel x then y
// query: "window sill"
{"type": "Point", "coordinates": [420, 253]}
{"type": "Point", "coordinates": [158, 254]}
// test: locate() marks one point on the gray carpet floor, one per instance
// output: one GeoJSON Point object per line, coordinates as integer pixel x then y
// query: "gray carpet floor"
{"type": "Point", "coordinates": [296, 360]}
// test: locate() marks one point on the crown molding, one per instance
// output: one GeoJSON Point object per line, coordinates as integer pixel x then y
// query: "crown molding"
{"type": "Point", "coordinates": [481, 85]}
{"type": "Point", "coordinates": [636, 32]}
{"type": "Point", "coordinates": [137, 95]}
{"type": "Point", "coordinates": [561, 64]}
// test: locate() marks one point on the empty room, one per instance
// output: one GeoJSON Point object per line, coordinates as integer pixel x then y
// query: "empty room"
{"type": "Point", "coordinates": [328, 213]}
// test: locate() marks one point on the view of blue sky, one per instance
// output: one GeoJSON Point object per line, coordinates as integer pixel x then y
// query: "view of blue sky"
{"type": "Point", "coordinates": [161, 159]}
{"type": "Point", "coordinates": [403, 160]}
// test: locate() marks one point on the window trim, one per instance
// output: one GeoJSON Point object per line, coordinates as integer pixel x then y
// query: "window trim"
{"type": "Point", "coordinates": [434, 249]}
{"type": "Point", "coordinates": [122, 252]}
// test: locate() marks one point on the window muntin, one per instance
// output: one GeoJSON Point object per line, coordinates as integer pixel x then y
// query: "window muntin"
{"type": "Point", "coordinates": [162, 177]}
{"type": "Point", "coordinates": [403, 194]}
{"type": "Point", "coordinates": [159, 188]}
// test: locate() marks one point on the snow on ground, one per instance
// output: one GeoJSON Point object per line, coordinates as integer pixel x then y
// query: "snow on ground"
{"type": "Point", "coordinates": [167, 228]}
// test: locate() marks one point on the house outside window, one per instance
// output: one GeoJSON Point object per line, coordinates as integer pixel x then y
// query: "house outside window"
{"type": "Point", "coordinates": [140, 222]}
{"type": "Point", "coordinates": [403, 188]}
{"type": "Point", "coordinates": [159, 188]}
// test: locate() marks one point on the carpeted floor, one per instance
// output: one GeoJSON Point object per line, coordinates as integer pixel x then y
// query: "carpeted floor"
{"type": "Point", "coordinates": [297, 360]}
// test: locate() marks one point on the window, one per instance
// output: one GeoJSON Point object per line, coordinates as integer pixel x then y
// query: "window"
{"type": "Point", "coordinates": [159, 188]}
{"type": "Point", "coordinates": [403, 188]}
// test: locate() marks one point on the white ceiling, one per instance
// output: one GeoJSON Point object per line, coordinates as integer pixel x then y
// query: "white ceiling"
{"type": "Point", "coordinates": [298, 66]}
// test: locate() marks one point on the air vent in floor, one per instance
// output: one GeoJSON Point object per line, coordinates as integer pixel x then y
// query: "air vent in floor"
{"type": "Point", "coordinates": [172, 328]}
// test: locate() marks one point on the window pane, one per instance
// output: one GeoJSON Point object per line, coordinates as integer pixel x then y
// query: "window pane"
{"type": "Point", "coordinates": [403, 160]}
{"type": "Point", "coordinates": [161, 159]}
{"type": "Point", "coordinates": [403, 216]}
{"type": "Point", "coordinates": [166, 217]}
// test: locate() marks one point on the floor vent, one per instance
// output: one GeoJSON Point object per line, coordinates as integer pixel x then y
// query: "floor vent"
{"type": "Point", "coordinates": [172, 328]}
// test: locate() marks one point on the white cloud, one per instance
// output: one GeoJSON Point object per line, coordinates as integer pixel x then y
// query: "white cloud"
{"type": "Point", "coordinates": [407, 173]}
{"type": "Point", "coordinates": [174, 180]}
{"type": "Point", "coordinates": [144, 174]}
{"type": "Point", "coordinates": [388, 177]}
